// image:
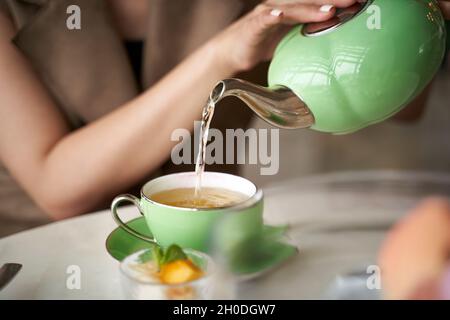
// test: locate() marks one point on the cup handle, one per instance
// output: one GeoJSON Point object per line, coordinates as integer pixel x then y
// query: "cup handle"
{"type": "Point", "coordinates": [135, 201]}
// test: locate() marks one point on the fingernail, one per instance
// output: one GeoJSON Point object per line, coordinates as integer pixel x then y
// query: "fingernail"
{"type": "Point", "coordinates": [276, 12]}
{"type": "Point", "coordinates": [326, 8]}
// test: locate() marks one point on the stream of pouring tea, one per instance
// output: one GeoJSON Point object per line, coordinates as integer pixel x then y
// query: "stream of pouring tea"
{"type": "Point", "coordinates": [207, 115]}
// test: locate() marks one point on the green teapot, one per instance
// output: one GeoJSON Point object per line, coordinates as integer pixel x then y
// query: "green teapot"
{"type": "Point", "coordinates": [359, 68]}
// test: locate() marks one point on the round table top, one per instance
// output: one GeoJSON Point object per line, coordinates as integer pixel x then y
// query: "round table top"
{"type": "Point", "coordinates": [337, 221]}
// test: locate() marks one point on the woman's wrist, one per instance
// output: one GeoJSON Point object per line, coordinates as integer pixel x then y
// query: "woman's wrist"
{"type": "Point", "coordinates": [221, 57]}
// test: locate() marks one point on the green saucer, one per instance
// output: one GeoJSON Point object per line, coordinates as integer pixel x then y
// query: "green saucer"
{"type": "Point", "coordinates": [120, 244]}
{"type": "Point", "coordinates": [269, 254]}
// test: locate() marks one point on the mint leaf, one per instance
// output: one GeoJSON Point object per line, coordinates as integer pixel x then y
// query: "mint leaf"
{"type": "Point", "coordinates": [145, 256]}
{"type": "Point", "coordinates": [173, 253]}
{"type": "Point", "coordinates": [157, 255]}
{"type": "Point", "coordinates": [161, 257]}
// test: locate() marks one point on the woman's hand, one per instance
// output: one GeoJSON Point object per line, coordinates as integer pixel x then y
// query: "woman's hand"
{"type": "Point", "coordinates": [445, 6]}
{"type": "Point", "coordinates": [253, 38]}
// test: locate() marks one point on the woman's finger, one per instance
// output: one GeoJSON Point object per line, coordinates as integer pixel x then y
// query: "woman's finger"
{"type": "Point", "coordinates": [307, 13]}
{"type": "Point", "coordinates": [335, 3]}
{"type": "Point", "coordinates": [267, 16]}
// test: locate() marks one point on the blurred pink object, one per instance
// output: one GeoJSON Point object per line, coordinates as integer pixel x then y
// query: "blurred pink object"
{"type": "Point", "coordinates": [445, 285]}
{"type": "Point", "coordinates": [414, 256]}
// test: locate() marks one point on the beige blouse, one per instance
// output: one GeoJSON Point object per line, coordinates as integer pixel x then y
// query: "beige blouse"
{"type": "Point", "coordinates": [88, 73]}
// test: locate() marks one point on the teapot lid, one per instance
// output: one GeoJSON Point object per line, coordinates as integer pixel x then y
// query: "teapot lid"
{"type": "Point", "coordinates": [342, 16]}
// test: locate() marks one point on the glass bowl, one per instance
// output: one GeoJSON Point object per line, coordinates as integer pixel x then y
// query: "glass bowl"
{"type": "Point", "coordinates": [138, 285]}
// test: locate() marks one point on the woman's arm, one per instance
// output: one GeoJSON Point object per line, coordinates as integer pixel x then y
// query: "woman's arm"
{"type": "Point", "coordinates": [68, 173]}
{"type": "Point", "coordinates": [414, 111]}
{"type": "Point", "coordinates": [416, 108]}
{"type": "Point", "coordinates": [445, 7]}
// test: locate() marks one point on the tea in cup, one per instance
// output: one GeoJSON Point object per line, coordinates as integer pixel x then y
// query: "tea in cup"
{"type": "Point", "coordinates": [176, 215]}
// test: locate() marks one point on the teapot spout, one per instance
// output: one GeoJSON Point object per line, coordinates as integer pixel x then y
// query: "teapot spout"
{"type": "Point", "coordinates": [279, 105]}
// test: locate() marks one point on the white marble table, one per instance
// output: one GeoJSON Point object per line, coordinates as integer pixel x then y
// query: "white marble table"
{"type": "Point", "coordinates": [338, 222]}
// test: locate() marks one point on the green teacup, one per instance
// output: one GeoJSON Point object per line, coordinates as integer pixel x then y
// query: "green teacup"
{"type": "Point", "coordinates": [193, 227]}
